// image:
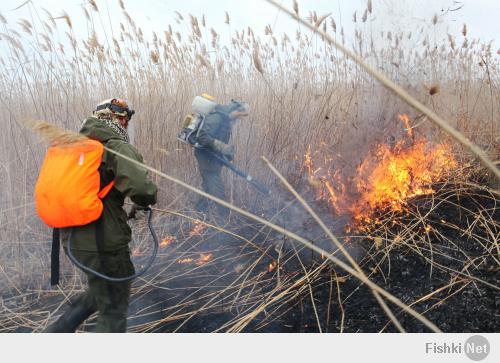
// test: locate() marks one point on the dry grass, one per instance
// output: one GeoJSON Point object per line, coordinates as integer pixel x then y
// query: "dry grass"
{"type": "Point", "coordinates": [302, 92]}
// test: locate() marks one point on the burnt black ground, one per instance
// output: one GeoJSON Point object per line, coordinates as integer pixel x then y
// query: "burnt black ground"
{"type": "Point", "coordinates": [467, 306]}
{"type": "Point", "coordinates": [473, 309]}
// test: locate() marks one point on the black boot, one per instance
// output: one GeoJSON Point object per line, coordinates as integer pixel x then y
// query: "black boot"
{"type": "Point", "coordinates": [70, 320]}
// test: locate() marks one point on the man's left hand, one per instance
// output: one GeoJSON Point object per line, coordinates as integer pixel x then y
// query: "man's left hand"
{"type": "Point", "coordinates": [137, 212]}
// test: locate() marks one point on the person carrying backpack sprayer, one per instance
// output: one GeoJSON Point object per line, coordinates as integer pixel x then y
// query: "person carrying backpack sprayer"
{"type": "Point", "coordinates": [210, 139]}
{"type": "Point", "coordinates": [100, 246]}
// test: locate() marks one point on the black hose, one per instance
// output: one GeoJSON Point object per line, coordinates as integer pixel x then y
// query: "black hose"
{"type": "Point", "coordinates": [118, 279]}
{"type": "Point", "coordinates": [258, 185]}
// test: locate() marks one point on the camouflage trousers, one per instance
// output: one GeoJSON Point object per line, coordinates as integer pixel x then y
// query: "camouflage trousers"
{"type": "Point", "coordinates": [109, 299]}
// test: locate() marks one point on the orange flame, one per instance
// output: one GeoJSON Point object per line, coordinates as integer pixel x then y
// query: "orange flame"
{"type": "Point", "coordinates": [402, 173]}
{"type": "Point", "coordinates": [406, 121]}
{"type": "Point", "coordinates": [185, 260]}
{"type": "Point", "coordinates": [167, 241]}
{"type": "Point", "coordinates": [197, 229]}
{"type": "Point", "coordinates": [272, 266]}
{"type": "Point", "coordinates": [386, 178]}
{"type": "Point", "coordinates": [204, 258]}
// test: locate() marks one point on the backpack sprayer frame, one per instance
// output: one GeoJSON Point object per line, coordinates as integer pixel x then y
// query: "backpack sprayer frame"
{"type": "Point", "coordinates": [185, 136]}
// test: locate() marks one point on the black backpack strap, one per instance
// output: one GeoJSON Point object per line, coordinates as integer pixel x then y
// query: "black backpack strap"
{"type": "Point", "coordinates": [54, 257]}
{"type": "Point", "coordinates": [99, 239]}
{"type": "Point", "coordinates": [105, 179]}
{"type": "Point", "coordinates": [200, 125]}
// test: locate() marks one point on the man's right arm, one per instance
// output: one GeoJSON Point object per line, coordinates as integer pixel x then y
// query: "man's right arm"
{"type": "Point", "coordinates": [131, 179]}
{"type": "Point", "coordinates": [211, 124]}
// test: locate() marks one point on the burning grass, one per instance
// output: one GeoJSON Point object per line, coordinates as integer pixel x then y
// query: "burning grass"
{"type": "Point", "coordinates": [387, 178]}
{"type": "Point", "coordinates": [419, 215]}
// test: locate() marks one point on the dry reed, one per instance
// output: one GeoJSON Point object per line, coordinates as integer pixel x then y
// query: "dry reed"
{"type": "Point", "coordinates": [311, 95]}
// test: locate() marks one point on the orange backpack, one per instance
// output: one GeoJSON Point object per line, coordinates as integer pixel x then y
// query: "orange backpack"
{"type": "Point", "coordinates": [67, 192]}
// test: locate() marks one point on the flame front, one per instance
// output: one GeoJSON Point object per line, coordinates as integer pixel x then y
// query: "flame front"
{"type": "Point", "coordinates": [201, 260]}
{"type": "Point", "coordinates": [204, 258]}
{"type": "Point", "coordinates": [386, 178]}
{"type": "Point", "coordinates": [197, 229]}
{"type": "Point", "coordinates": [165, 242]}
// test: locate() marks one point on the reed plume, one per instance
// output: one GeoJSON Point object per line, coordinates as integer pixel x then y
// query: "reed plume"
{"type": "Point", "coordinates": [52, 134]}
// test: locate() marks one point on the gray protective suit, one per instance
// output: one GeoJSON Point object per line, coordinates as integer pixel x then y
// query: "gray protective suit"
{"type": "Point", "coordinates": [214, 136]}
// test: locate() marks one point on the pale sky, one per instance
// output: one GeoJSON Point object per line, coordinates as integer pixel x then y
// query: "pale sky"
{"type": "Point", "coordinates": [481, 16]}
